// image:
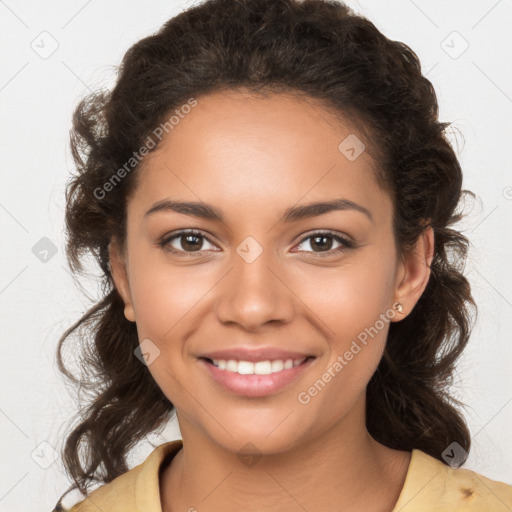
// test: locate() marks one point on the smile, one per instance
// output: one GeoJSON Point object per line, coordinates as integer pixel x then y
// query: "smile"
{"type": "Point", "coordinates": [258, 367]}
{"type": "Point", "coordinates": [255, 378]}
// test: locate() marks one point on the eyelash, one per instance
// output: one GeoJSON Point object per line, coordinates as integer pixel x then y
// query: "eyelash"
{"type": "Point", "coordinates": [346, 244]}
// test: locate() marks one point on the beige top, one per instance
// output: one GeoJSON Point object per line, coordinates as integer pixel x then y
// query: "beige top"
{"type": "Point", "coordinates": [430, 486]}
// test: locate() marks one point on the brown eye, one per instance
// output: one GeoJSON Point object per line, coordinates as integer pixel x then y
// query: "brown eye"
{"type": "Point", "coordinates": [323, 242]}
{"type": "Point", "coordinates": [186, 242]}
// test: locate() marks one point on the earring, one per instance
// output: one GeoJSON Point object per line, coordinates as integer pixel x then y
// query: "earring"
{"type": "Point", "coordinates": [398, 307]}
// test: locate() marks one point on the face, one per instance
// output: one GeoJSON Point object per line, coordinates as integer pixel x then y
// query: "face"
{"type": "Point", "coordinates": [259, 276]}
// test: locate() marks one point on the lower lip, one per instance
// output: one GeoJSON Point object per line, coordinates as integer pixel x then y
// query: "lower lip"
{"type": "Point", "coordinates": [255, 385]}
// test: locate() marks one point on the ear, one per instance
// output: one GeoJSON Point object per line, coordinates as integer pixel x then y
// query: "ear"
{"type": "Point", "coordinates": [414, 273]}
{"type": "Point", "coordinates": [120, 277]}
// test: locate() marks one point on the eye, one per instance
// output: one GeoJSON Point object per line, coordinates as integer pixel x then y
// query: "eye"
{"type": "Point", "coordinates": [187, 241]}
{"type": "Point", "coordinates": [322, 242]}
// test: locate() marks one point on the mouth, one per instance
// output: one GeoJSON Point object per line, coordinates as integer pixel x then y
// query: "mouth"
{"type": "Point", "coordinates": [265, 367]}
{"type": "Point", "coordinates": [255, 378]}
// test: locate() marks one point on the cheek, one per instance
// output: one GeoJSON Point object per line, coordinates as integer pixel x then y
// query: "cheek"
{"type": "Point", "coordinates": [347, 299]}
{"type": "Point", "coordinates": [352, 355]}
{"type": "Point", "coordinates": [165, 297]}
{"type": "Point", "coordinates": [352, 306]}
{"type": "Point", "coordinates": [164, 305]}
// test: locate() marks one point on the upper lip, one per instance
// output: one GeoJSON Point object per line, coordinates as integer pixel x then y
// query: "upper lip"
{"type": "Point", "coordinates": [260, 354]}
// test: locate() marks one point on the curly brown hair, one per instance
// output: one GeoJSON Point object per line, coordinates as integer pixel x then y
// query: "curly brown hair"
{"type": "Point", "coordinates": [316, 48]}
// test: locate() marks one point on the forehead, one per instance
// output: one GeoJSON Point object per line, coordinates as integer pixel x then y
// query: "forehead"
{"type": "Point", "coordinates": [251, 151]}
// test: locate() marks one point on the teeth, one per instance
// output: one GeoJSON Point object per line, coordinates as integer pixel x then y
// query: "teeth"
{"type": "Point", "coordinates": [258, 368]}
{"type": "Point", "coordinates": [277, 365]}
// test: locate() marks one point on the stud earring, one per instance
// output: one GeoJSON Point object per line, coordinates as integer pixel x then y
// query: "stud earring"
{"type": "Point", "coordinates": [398, 307]}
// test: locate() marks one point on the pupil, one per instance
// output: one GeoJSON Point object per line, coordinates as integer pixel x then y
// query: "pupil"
{"type": "Point", "coordinates": [322, 238]}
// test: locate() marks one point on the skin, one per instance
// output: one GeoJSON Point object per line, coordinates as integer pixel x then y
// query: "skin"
{"type": "Point", "coordinates": [253, 158]}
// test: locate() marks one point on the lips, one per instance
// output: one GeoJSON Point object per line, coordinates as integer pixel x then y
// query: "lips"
{"type": "Point", "coordinates": [256, 372]}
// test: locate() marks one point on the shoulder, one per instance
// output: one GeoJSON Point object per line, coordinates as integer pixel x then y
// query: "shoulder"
{"type": "Point", "coordinates": [434, 486]}
{"type": "Point", "coordinates": [137, 489]}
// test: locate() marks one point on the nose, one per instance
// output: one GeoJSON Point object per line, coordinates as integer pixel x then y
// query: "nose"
{"type": "Point", "coordinates": [255, 293]}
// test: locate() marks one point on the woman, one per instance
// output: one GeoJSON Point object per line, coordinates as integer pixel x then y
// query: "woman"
{"type": "Point", "coordinates": [269, 194]}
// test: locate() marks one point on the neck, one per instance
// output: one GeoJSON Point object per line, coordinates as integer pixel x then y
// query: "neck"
{"type": "Point", "coordinates": [331, 472]}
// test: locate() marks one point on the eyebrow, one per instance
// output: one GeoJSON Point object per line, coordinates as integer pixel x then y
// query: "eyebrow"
{"type": "Point", "coordinates": [292, 214]}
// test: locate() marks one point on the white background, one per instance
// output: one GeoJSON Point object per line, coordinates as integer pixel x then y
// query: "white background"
{"type": "Point", "coordinates": [40, 300]}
